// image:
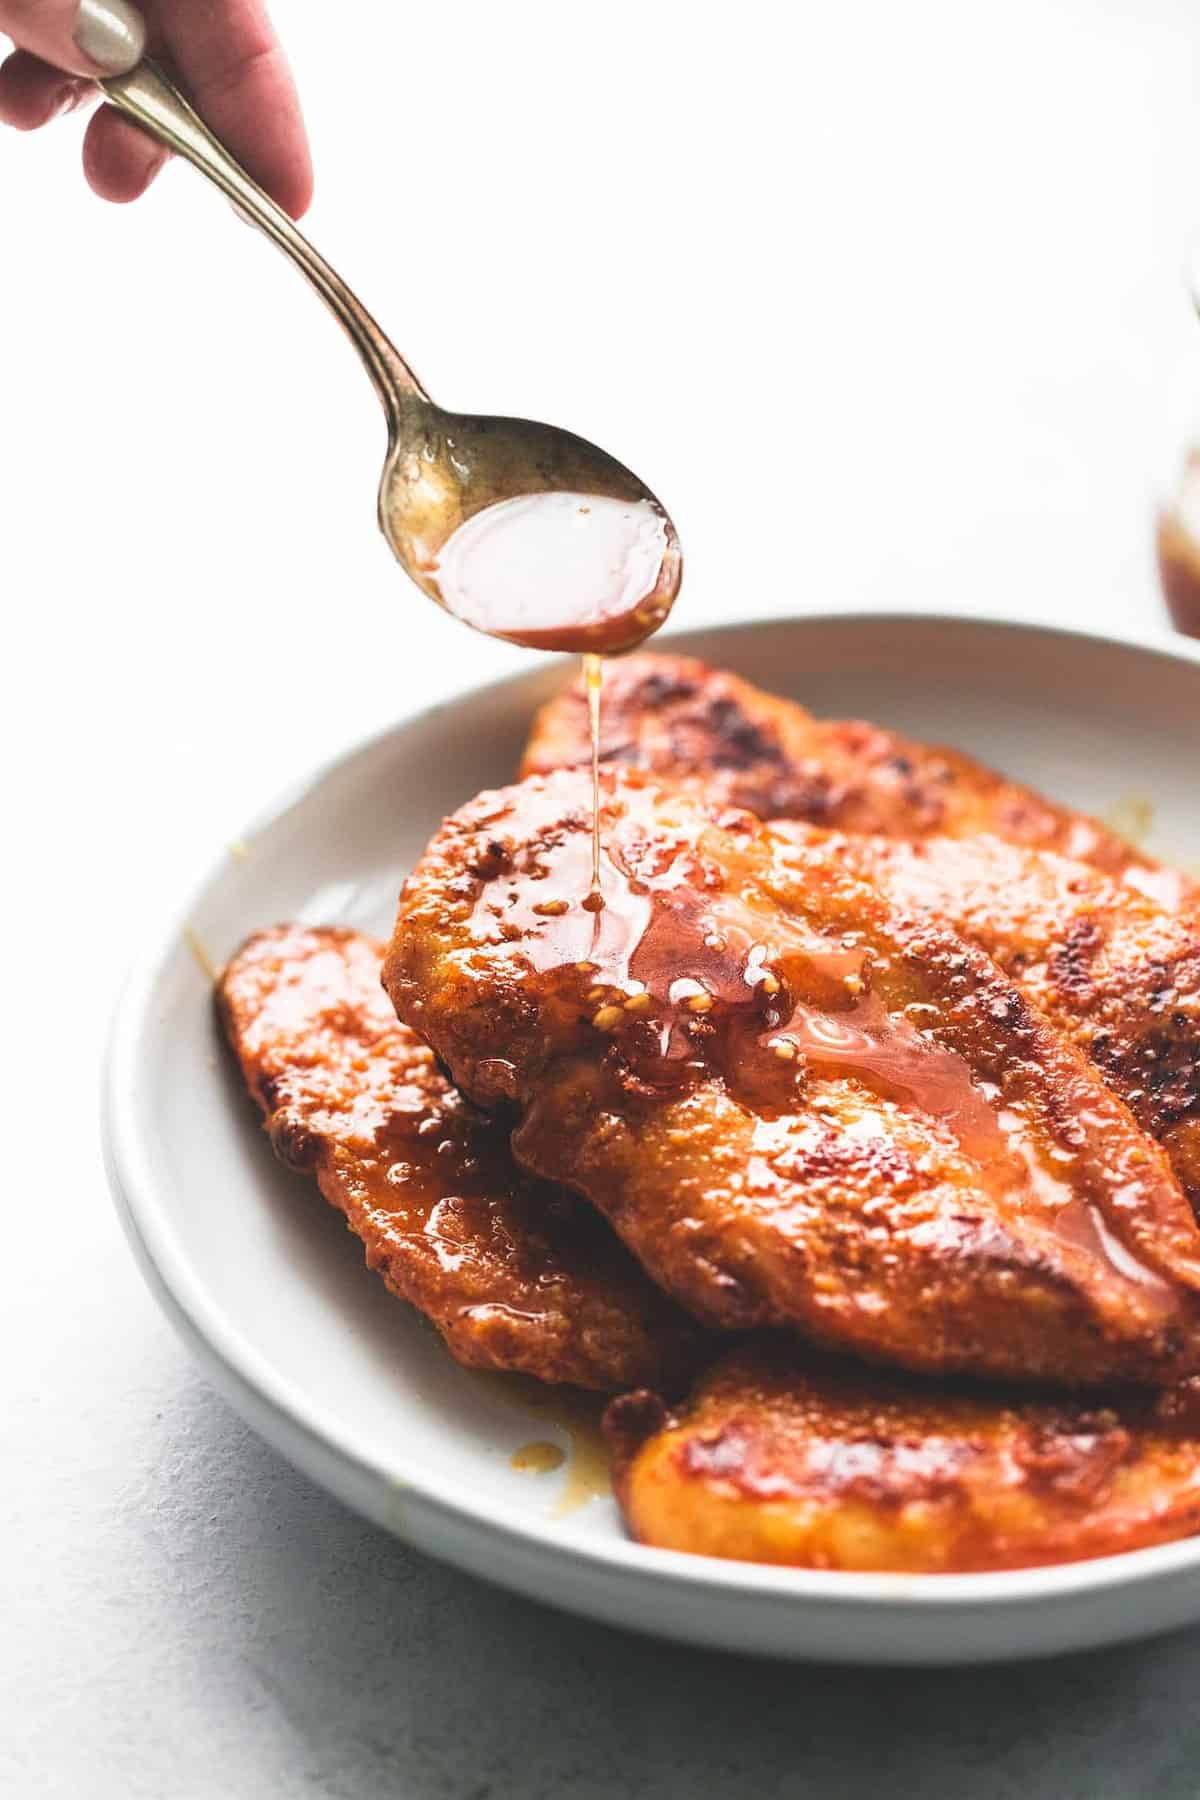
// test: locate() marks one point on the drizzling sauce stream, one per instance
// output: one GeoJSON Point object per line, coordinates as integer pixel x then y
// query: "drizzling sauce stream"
{"type": "Point", "coordinates": [583, 573]}
{"type": "Point", "coordinates": [593, 679]}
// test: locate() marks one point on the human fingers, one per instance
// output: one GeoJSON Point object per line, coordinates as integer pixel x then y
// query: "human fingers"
{"type": "Point", "coordinates": [83, 37]}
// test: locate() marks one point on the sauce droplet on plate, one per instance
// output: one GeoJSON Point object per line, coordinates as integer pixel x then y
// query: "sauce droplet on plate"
{"type": "Point", "coordinates": [570, 1411]}
{"type": "Point", "coordinates": [538, 1458]}
{"type": "Point", "coordinates": [589, 1476]}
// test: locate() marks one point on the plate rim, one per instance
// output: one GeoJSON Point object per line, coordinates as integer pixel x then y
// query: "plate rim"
{"type": "Point", "coordinates": [276, 1407]}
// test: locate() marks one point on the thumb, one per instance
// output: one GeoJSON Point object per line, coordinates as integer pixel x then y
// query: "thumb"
{"type": "Point", "coordinates": [84, 37]}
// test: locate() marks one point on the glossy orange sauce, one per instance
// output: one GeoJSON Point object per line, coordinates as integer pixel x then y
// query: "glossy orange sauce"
{"type": "Point", "coordinates": [675, 956]}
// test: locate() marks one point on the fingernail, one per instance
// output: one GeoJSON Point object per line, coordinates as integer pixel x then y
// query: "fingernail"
{"type": "Point", "coordinates": [110, 33]}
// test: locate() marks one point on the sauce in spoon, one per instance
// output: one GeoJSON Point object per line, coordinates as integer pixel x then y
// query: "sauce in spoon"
{"type": "Point", "coordinates": [561, 571]}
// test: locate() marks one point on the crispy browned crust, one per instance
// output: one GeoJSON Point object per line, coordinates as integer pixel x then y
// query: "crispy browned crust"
{"type": "Point", "coordinates": [786, 1456]}
{"type": "Point", "coordinates": [1118, 974]}
{"type": "Point", "coordinates": [1103, 940]}
{"type": "Point", "coordinates": [843, 1208]}
{"type": "Point", "coordinates": [678, 718]}
{"type": "Point", "coordinates": [515, 1273]}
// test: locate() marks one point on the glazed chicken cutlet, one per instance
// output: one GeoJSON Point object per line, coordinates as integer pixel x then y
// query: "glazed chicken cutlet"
{"type": "Point", "coordinates": [679, 719]}
{"type": "Point", "coordinates": [800, 1105]}
{"type": "Point", "coordinates": [784, 1455]}
{"type": "Point", "coordinates": [1114, 971]}
{"type": "Point", "coordinates": [514, 1273]}
{"type": "Point", "coordinates": [1102, 940]}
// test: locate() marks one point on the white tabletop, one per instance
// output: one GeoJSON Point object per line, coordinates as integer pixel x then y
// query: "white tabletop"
{"type": "Point", "coordinates": [885, 301]}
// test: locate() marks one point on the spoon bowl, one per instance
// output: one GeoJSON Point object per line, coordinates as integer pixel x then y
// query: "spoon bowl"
{"type": "Point", "coordinates": [520, 529]}
{"type": "Point", "coordinates": [526, 531]}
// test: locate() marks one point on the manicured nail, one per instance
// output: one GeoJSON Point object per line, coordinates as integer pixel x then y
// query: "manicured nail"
{"type": "Point", "coordinates": [110, 33]}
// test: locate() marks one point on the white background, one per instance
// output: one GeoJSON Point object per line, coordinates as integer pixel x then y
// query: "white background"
{"type": "Point", "coordinates": [886, 301]}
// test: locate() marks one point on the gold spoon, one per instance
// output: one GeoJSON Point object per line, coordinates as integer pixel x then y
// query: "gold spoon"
{"type": "Point", "coordinates": [521, 530]}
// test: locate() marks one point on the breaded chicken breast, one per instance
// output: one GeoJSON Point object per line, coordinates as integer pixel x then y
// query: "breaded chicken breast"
{"type": "Point", "coordinates": [799, 1105]}
{"type": "Point", "coordinates": [1100, 937]}
{"type": "Point", "coordinates": [515, 1273]}
{"type": "Point", "coordinates": [787, 1456]}
{"type": "Point", "coordinates": [1115, 972]}
{"type": "Point", "coordinates": [677, 718]}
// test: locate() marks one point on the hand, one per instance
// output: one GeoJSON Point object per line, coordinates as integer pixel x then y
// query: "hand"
{"type": "Point", "coordinates": [229, 62]}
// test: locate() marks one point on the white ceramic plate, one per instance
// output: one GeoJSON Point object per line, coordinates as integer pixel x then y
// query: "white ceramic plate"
{"type": "Point", "coordinates": [272, 1294]}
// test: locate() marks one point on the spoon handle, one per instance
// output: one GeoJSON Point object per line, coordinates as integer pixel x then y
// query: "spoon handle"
{"type": "Point", "coordinates": [147, 95]}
